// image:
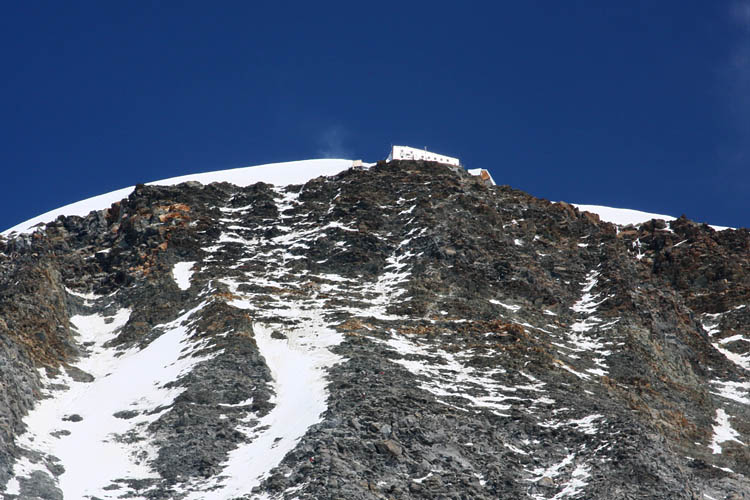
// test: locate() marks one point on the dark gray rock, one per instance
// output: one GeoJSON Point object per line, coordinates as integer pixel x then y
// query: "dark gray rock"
{"type": "Point", "coordinates": [481, 376]}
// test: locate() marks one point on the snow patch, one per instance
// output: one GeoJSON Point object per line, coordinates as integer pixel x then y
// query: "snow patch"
{"type": "Point", "coordinates": [736, 391]}
{"type": "Point", "coordinates": [182, 272]}
{"type": "Point", "coordinates": [510, 307]}
{"type": "Point", "coordinates": [723, 432]}
{"type": "Point", "coordinates": [711, 323]}
{"type": "Point", "coordinates": [573, 486]}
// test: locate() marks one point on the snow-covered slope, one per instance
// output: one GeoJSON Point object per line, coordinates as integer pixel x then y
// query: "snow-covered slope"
{"type": "Point", "coordinates": [621, 216]}
{"type": "Point", "coordinates": [279, 174]}
{"type": "Point", "coordinates": [625, 216]}
{"type": "Point", "coordinates": [282, 174]}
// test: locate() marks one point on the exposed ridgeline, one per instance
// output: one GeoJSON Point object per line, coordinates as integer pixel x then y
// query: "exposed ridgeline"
{"type": "Point", "coordinates": [406, 331]}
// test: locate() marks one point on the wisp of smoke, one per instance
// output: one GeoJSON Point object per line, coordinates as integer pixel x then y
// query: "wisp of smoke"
{"type": "Point", "coordinates": [331, 143]}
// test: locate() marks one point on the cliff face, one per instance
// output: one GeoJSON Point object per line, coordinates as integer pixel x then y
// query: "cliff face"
{"type": "Point", "coordinates": [406, 331]}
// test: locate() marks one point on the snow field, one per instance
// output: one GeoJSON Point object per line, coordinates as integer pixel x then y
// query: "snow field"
{"type": "Point", "coordinates": [92, 449]}
{"type": "Point", "coordinates": [280, 174]}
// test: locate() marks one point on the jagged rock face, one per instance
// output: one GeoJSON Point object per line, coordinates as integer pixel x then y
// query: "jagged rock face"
{"type": "Point", "coordinates": [406, 331]}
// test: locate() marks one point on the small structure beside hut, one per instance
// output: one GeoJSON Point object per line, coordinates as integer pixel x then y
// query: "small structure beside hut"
{"type": "Point", "coordinates": [483, 174]}
{"type": "Point", "coordinates": [359, 164]}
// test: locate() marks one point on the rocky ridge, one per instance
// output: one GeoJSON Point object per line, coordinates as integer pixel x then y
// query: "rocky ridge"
{"type": "Point", "coordinates": [403, 331]}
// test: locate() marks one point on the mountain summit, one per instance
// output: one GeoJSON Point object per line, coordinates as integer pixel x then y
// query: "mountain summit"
{"type": "Point", "coordinates": [401, 331]}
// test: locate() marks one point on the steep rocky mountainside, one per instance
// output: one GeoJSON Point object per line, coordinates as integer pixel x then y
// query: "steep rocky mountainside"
{"type": "Point", "coordinates": [403, 331]}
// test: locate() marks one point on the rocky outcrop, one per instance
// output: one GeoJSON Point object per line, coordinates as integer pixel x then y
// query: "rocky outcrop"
{"type": "Point", "coordinates": [403, 331]}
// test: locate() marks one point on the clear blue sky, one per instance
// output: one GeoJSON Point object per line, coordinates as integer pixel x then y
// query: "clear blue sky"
{"type": "Point", "coordinates": [635, 104]}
